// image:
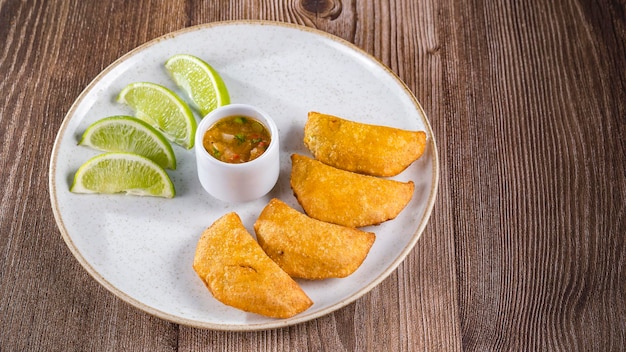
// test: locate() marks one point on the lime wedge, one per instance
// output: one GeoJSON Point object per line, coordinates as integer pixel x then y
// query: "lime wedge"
{"type": "Point", "coordinates": [128, 134]}
{"type": "Point", "coordinates": [199, 80]}
{"type": "Point", "coordinates": [163, 109]}
{"type": "Point", "coordinates": [123, 173]}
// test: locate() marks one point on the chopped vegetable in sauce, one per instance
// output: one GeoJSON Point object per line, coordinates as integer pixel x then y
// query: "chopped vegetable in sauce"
{"type": "Point", "coordinates": [236, 139]}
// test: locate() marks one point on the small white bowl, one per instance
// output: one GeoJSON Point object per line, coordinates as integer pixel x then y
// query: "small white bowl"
{"type": "Point", "coordinates": [238, 182]}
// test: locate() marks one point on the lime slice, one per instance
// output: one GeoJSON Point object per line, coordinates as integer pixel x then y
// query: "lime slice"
{"type": "Point", "coordinates": [163, 109]}
{"type": "Point", "coordinates": [199, 80]}
{"type": "Point", "coordinates": [123, 173]}
{"type": "Point", "coordinates": [128, 134]}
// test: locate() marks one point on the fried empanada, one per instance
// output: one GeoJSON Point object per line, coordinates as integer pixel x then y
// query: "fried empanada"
{"type": "Point", "coordinates": [346, 198]}
{"type": "Point", "coordinates": [362, 148]}
{"type": "Point", "coordinates": [238, 273]}
{"type": "Point", "coordinates": [308, 248]}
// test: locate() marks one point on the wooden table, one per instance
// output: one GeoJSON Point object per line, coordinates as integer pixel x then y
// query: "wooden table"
{"type": "Point", "coordinates": [525, 249]}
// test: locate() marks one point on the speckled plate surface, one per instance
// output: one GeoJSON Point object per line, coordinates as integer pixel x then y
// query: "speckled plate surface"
{"type": "Point", "coordinates": [141, 248]}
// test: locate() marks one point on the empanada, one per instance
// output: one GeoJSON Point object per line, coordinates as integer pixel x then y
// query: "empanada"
{"type": "Point", "coordinates": [308, 248]}
{"type": "Point", "coordinates": [238, 273]}
{"type": "Point", "coordinates": [346, 198]}
{"type": "Point", "coordinates": [363, 148]}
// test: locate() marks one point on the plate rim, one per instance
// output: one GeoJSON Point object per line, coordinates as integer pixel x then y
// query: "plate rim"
{"type": "Point", "coordinates": [434, 183]}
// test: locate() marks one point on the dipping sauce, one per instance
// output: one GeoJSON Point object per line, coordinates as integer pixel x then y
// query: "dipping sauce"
{"type": "Point", "coordinates": [236, 139]}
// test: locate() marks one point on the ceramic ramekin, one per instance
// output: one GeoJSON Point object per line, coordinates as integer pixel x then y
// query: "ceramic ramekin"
{"type": "Point", "coordinates": [238, 182]}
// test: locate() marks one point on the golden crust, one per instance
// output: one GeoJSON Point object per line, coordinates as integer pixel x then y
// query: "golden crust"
{"type": "Point", "coordinates": [346, 198]}
{"type": "Point", "coordinates": [308, 248]}
{"type": "Point", "coordinates": [238, 273]}
{"type": "Point", "coordinates": [358, 147]}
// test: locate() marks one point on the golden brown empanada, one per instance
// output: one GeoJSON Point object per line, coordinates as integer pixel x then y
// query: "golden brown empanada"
{"type": "Point", "coordinates": [346, 198]}
{"type": "Point", "coordinates": [308, 248]}
{"type": "Point", "coordinates": [363, 148]}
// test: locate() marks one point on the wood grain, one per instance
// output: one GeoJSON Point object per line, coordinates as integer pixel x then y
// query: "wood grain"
{"type": "Point", "coordinates": [525, 249]}
{"type": "Point", "coordinates": [539, 166]}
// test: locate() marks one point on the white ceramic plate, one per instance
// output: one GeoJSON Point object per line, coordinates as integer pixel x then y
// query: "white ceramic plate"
{"type": "Point", "coordinates": [141, 248]}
